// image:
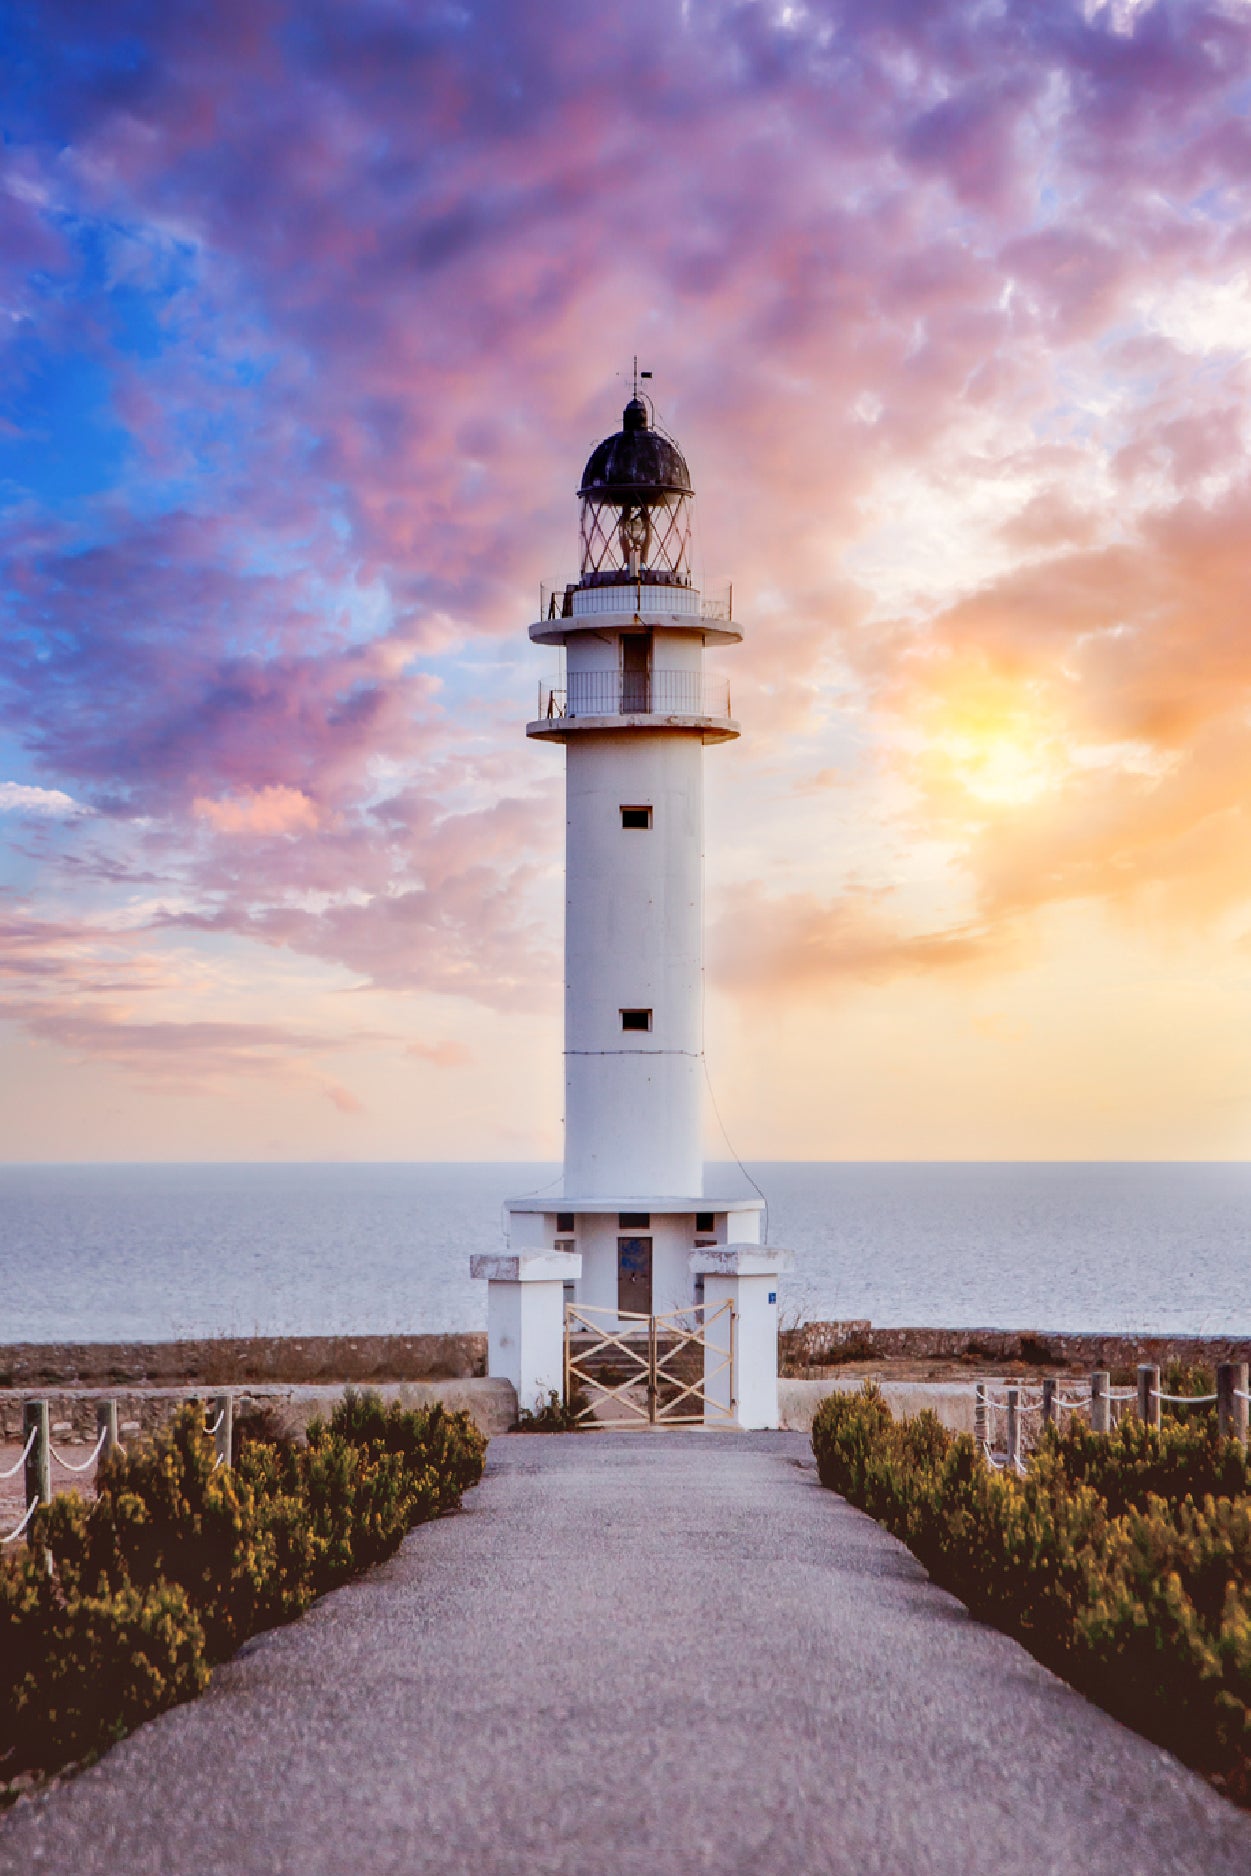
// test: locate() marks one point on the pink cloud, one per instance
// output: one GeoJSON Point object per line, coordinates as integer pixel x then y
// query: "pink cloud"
{"type": "Point", "coordinates": [870, 247]}
{"type": "Point", "coordinates": [261, 811]}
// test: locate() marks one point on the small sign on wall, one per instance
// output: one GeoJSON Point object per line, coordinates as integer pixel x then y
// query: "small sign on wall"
{"type": "Point", "coordinates": [773, 1296]}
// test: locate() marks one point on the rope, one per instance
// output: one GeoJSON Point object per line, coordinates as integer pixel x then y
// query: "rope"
{"type": "Point", "coordinates": [31, 1509]}
{"type": "Point", "coordinates": [67, 1466]}
{"type": "Point", "coordinates": [1125, 1393]}
{"type": "Point", "coordinates": [1072, 1406]}
{"type": "Point", "coordinates": [18, 1464]}
{"type": "Point", "coordinates": [1185, 1400]}
{"type": "Point", "coordinates": [1241, 1394]}
{"type": "Point", "coordinates": [216, 1426]}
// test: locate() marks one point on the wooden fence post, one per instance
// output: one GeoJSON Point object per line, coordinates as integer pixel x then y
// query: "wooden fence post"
{"type": "Point", "coordinates": [106, 1423]}
{"type": "Point", "coordinates": [1231, 1412]}
{"type": "Point", "coordinates": [38, 1477]}
{"type": "Point", "coordinates": [1148, 1395]}
{"type": "Point", "coordinates": [1239, 1387]}
{"type": "Point", "coordinates": [1049, 1400]}
{"type": "Point", "coordinates": [1100, 1405]}
{"type": "Point", "coordinates": [1014, 1428]}
{"type": "Point", "coordinates": [980, 1431]}
{"type": "Point", "coordinates": [39, 1459]}
{"type": "Point", "coordinates": [224, 1422]}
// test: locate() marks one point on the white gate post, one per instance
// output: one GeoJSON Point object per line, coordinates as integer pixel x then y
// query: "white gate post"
{"type": "Point", "coordinates": [745, 1275]}
{"type": "Point", "coordinates": [526, 1319]}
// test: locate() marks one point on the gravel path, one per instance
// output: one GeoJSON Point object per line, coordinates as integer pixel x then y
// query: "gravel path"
{"type": "Point", "coordinates": [661, 1654]}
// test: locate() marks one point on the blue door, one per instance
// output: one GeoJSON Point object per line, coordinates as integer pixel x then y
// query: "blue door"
{"type": "Point", "coordinates": [634, 1275]}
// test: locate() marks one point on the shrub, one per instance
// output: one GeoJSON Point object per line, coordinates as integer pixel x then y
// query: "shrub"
{"type": "Point", "coordinates": [1123, 1561]}
{"type": "Point", "coordinates": [176, 1561]}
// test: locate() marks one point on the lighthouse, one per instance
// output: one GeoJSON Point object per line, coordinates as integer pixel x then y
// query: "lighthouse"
{"type": "Point", "coordinates": [633, 1233]}
{"type": "Point", "coordinates": [634, 709]}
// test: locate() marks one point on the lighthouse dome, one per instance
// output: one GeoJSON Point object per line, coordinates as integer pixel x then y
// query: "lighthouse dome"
{"type": "Point", "coordinates": [636, 464]}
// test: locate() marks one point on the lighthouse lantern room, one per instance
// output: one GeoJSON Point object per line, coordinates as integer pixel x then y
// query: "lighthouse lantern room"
{"type": "Point", "coordinates": [634, 711]}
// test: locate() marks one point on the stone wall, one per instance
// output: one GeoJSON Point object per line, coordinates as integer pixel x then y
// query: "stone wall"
{"type": "Point", "coordinates": [827, 1344]}
{"type": "Point", "coordinates": [492, 1405]}
{"type": "Point", "coordinates": [232, 1361]}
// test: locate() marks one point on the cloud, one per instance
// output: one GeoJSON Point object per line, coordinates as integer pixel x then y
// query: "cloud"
{"type": "Point", "coordinates": [795, 945]}
{"type": "Point", "coordinates": [944, 304]}
{"type": "Point", "coordinates": [272, 810]}
{"type": "Point", "coordinates": [445, 1054]}
{"type": "Point", "coordinates": [21, 798]}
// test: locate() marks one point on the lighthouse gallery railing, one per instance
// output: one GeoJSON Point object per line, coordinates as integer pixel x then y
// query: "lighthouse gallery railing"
{"type": "Point", "coordinates": [637, 693]}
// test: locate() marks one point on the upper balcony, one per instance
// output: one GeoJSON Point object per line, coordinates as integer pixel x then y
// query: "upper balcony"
{"type": "Point", "coordinates": [569, 607]}
{"type": "Point", "coordinates": [643, 700]}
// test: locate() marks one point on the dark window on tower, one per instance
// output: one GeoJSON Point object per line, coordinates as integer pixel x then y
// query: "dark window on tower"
{"type": "Point", "coordinates": [636, 1019]}
{"type": "Point", "coordinates": [636, 817]}
{"type": "Point", "coordinates": [704, 1221]}
{"type": "Point", "coordinates": [634, 1221]}
{"type": "Point", "coordinates": [564, 1221]}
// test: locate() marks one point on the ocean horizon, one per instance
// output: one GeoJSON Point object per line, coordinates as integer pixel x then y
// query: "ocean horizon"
{"type": "Point", "coordinates": [148, 1251]}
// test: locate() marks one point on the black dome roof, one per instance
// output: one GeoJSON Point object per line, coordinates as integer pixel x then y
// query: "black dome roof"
{"type": "Point", "coordinates": [635, 462]}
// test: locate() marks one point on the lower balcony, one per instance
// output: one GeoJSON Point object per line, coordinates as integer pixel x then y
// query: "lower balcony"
{"type": "Point", "coordinates": [636, 700]}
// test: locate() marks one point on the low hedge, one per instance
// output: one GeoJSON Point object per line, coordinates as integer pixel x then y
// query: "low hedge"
{"type": "Point", "coordinates": [174, 1563]}
{"type": "Point", "coordinates": [1122, 1561]}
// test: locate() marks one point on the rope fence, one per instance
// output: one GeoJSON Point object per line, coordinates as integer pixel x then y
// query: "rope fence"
{"type": "Point", "coordinates": [39, 1455]}
{"type": "Point", "coordinates": [67, 1465]}
{"type": "Point", "coordinates": [17, 1465]}
{"type": "Point", "coordinates": [20, 1530]}
{"type": "Point", "coordinates": [1008, 1415]}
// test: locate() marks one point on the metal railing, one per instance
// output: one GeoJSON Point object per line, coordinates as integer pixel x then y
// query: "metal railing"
{"type": "Point", "coordinates": [567, 600]}
{"type": "Point", "coordinates": [636, 693]}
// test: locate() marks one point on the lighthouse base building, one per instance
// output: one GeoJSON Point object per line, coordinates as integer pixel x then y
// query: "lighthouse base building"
{"type": "Point", "coordinates": [634, 1239]}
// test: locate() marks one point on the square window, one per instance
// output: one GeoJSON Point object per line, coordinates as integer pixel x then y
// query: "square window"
{"type": "Point", "coordinates": [636, 1019]}
{"type": "Point", "coordinates": [705, 1221]}
{"type": "Point", "coordinates": [636, 817]}
{"type": "Point", "coordinates": [634, 1221]}
{"type": "Point", "coordinates": [564, 1221]}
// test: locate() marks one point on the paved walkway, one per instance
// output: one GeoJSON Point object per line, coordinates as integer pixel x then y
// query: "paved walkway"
{"type": "Point", "coordinates": [653, 1655]}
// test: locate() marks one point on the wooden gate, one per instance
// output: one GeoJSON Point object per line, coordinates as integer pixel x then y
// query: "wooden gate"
{"type": "Point", "coordinates": [626, 1370]}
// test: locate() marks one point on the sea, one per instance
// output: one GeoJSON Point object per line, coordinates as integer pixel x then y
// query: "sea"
{"type": "Point", "coordinates": [151, 1252]}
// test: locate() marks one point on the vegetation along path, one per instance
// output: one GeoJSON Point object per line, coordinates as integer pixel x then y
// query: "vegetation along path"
{"type": "Point", "coordinates": [669, 1653]}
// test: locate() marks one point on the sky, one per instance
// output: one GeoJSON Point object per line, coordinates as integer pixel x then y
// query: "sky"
{"type": "Point", "coordinates": [309, 316]}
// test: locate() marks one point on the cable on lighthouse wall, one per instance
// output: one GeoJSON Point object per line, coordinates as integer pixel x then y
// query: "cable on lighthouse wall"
{"type": "Point", "coordinates": [733, 1155]}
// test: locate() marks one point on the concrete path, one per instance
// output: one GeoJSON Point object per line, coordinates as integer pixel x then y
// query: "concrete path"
{"type": "Point", "coordinates": [635, 1655]}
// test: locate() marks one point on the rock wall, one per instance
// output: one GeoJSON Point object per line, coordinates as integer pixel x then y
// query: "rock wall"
{"type": "Point", "coordinates": [232, 1361]}
{"type": "Point", "coordinates": [492, 1405]}
{"type": "Point", "coordinates": [826, 1344]}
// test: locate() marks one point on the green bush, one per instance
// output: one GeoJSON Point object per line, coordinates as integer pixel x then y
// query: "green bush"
{"type": "Point", "coordinates": [1123, 1561]}
{"type": "Point", "coordinates": [175, 1562]}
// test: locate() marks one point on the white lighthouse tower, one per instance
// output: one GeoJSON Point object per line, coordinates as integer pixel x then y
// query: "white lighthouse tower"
{"type": "Point", "coordinates": [634, 714]}
{"type": "Point", "coordinates": [633, 1229]}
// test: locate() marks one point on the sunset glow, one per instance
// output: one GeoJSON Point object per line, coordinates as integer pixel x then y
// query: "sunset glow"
{"type": "Point", "coordinates": [311, 316]}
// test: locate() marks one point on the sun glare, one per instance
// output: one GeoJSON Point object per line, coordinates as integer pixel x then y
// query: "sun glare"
{"type": "Point", "coordinates": [1000, 753]}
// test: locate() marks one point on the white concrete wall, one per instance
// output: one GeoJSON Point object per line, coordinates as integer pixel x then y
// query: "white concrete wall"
{"type": "Point", "coordinates": [525, 1338]}
{"type": "Point", "coordinates": [672, 1237]}
{"type": "Point", "coordinates": [952, 1401]}
{"type": "Point", "coordinates": [633, 939]}
{"type": "Point", "coordinates": [755, 1347]}
{"type": "Point", "coordinates": [531, 1231]}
